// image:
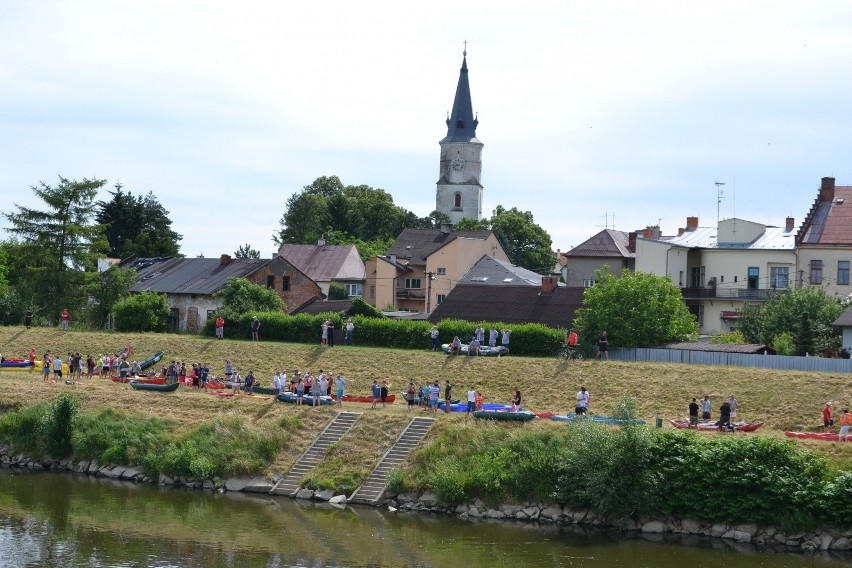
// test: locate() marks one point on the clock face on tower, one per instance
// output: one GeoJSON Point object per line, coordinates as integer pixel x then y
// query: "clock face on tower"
{"type": "Point", "coordinates": [457, 164]}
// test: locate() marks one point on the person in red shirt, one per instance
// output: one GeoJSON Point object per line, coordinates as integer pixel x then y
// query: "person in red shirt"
{"type": "Point", "coordinates": [573, 338]}
{"type": "Point", "coordinates": [64, 318]}
{"type": "Point", "coordinates": [827, 422]}
{"type": "Point", "coordinates": [32, 357]}
{"type": "Point", "coordinates": [220, 327]}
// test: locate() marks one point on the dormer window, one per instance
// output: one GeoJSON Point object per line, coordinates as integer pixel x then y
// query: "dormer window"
{"type": "Point", "coordinates": [459, 124]}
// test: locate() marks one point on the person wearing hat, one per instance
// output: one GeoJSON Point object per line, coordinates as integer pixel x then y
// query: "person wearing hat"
{"type": "Point", "coordinates": [827, 422]}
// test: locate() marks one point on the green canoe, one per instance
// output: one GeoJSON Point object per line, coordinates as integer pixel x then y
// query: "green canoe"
{"type": "Point", "coordinates": [150, 387]}
{"type": "Point", "coordinates": [522, 416]}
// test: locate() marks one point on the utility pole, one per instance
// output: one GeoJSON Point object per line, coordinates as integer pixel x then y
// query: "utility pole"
{"type": "Point", "coordinates": [429, 276]}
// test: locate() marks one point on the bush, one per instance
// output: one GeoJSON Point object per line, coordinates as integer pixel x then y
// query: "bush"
{"type": "Point", "coordinates": [527, 339]}
{"type": "Point", "coordinates": [145, 311]}
{"type": "Point", "coordinates": [783, 344]}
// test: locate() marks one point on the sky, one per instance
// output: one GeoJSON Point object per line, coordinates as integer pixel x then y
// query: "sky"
{"type": "Point", "coordinates": [605, 114]}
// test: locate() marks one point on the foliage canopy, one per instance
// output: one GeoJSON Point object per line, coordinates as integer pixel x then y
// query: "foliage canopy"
{"type": "Point", "coordinates": [636, 309]}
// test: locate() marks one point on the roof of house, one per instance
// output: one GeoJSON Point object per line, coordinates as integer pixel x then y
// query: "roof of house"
{"type": "Point", "coordinates": [510, 304]}
{"type": "Point", "coordinates": [753, 348]}
{"type": "Point", "coordinates": [829, 221]}
{"type": "Point", "coordinates": [489, 271]}
{"type": "Point", "coordinates": [203, 276]}
{"type": "Point", "coordinates": [845, 319]}
{"type": "Point", "coordinates": [416, 245]}
{"type": "Point", "coordinates": [607, 243]}
{"type": "Point", "coordinates": [323, 263]}
{"type": "Point", "coordinates": [776, 238]}
{"type": "Point", "coordinates": [316, 306]}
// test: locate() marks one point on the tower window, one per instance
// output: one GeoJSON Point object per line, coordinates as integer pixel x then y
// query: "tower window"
{"type": "Point", "coordinates": [459, 124]}
{"type": "Point", "coordinates": [457, 202]}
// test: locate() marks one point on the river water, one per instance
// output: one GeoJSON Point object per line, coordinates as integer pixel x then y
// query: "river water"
{"type": "Point", "coordinates": [63, 520]}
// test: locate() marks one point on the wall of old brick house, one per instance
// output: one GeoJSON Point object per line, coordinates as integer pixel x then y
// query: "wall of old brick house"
{"type": "Point", "coordinates": [301, 288]}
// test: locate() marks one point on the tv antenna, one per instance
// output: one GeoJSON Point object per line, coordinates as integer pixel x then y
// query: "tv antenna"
{"type": "Point", "coordinates": [606, 217]}
{"type": "Point", "coordinates": [719, 196]}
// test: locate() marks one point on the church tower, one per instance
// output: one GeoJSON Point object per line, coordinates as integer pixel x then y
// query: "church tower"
{"type": "Point", "coordinates": [459, 191]}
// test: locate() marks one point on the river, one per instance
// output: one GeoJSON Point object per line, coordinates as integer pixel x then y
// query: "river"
{"type": "Point", "coordinates": [63, 520]}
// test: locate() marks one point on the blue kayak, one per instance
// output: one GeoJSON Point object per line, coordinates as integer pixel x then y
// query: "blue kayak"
{"type": "Point", "coordinates": [600, 418]}
{"type": "Point", "coordinates": [462, 406]}
{"type": "Point", "coordinates": [306, 400]}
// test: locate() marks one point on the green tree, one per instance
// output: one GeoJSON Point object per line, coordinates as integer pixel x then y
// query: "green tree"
{"type": "Point", "coordinates": [63, 237]}
{"type": "Point", "coordinates": [240, 296]}
{"type": "Point", "coordinates": [245, 251]}
{"type": "Point", "coordinates": [336, 291]}
{"type": "Point", "coordinates": [636, 309]}
{"type": "Point", "coordinates": [806, 314]}
{"type": "Point", "coordinates": [108, 287]}
{"type": "Point", "coordinates": [145, 311]}
{"type": "Point", "coordinates": [137, 225]}
{"type": "Point", "coordinates": [526, 243]}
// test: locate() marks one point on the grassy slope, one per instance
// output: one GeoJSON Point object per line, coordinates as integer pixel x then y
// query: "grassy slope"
{"type": "Point", "coordinates": [785, 400]}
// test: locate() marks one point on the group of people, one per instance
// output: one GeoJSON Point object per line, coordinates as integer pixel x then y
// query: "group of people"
{"type": "Point", "coordinates": [727, 412]}
{"type": "Point", "coordinates": [477, 342]}
{"type": "Point", "coordinates": [78, 366]}
{"type": "Point", "coordinates": [844, 420]}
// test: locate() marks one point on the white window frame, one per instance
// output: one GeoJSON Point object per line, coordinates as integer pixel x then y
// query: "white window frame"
{"type": "Point", "coordinates": [354, 290]}
{"type": "Point", "coordinates": [442, 271]}
{"type": "Point", "coordinates": [409, 283]}
{"type": "Point", "coordinates": [440, 298]}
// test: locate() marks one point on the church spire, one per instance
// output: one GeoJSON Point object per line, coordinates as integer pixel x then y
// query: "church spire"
{"type": "Point", "coordinates": [461, 124]}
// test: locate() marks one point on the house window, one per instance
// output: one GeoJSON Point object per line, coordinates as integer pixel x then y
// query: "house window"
{"type": "Point", "coordinates": [354, 290]}
{"type": "Point", "coordinates": [588, 282]}
{"type": "Point", "coordinates": [779, 276]}
{"type": "Point", "coordinates": [843, 272]}
{"type": "Point", "coordinates": [680, 279]}
{"type": "Point", "coordinates": [443, 271]}
{"type": "Point", "coordinates": [285, 283]}
{"type": "Point", "coordinates": [753, 278]}
{"type": "Point", "coordinates": [270, 281]}
{"type": "Point", "coordinates": [211, 314]}
{"type": "Point", "coordinates": [441, 298]}
{"type": "Point", "coordinates": [457, 202]}
{"type": "Point", "coordinates": [698, 312]}
{"type": "Point", "coordinates": [816, 272]}
{"type": "Point", "coordinates": [373, 292]}
{"type": "Point", "coordinates": [696, 277]}
{"type": "Point", "coordinates": [412, 283]}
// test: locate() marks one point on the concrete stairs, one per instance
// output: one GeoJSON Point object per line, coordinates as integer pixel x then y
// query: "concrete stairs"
{"type": "Point", "coordinates": [290, 484]}
{"type": "Point", "coordinates": [373, 488]}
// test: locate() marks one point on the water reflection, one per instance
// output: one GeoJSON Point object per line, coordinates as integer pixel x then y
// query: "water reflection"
{"type": "Point", "coordinates": [55, 520]}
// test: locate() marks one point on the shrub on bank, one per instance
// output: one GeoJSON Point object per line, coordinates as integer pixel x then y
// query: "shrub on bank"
{"type": "Point", "coordinates": [526, 339]}
{"type": "Point", "coordinates": [634, 472]}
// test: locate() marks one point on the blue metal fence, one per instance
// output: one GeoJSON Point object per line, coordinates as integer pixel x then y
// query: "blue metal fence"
{"type": "Point", "coordinates": [780, 362]}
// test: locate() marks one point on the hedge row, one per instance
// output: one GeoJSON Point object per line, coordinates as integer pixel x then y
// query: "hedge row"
{"type": "Point", "coordinates": [526, 339]}
{"type": "Point", "coordinates": [636, 472]}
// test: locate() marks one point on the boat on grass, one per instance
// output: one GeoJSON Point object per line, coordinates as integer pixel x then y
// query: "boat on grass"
{"type": "Point", "coordinates": [147, 380]}
{"type": "Point", "coordinates": [15, 364]}
{"type": "Point", "coordinates": [485, 351]}
{"type": "Point", "coordinates": [148, 362]}
{"type": "Point", "coordinates": [712, 425]}
{"type": "Point", "coordinates": [505, 415]}
{"type": "Point", "coordinates": [158, 388]}
{"type": "Point", "coordinates": [824, 436]}
{"type": "Point", "coordinates": [599, 418]}
{"type": "Point", "coordinates": [306, 400]}
{"type": "Point", "coordinates": [255, 389]}
{"type": "Point", "coordinates": [363, 398]}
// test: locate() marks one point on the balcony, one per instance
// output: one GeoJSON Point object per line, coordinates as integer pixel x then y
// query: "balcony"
{"type": "Point", "coordinates": [410, 294]}
{"type": "Point", "coordinates": [726, 293]}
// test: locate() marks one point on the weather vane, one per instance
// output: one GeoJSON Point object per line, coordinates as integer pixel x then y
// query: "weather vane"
{"type": "Point", "coordinates": [465, 48]}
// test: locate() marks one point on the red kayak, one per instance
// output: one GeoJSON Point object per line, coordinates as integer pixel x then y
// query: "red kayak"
{"type": "Point", "coordinates": [544, 415]}
{"type": "Point", "coordinates": [824, 436]}
{"type": "Point", "coordinates": [221, 393]}
{"type": "Point", "coordinates": [215, 384]}
{"type": "Point", "coordinates": [710, 425]}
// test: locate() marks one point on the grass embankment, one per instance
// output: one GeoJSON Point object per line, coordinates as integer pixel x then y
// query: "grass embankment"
{"type": "Point", "coordinates": [784, 400]}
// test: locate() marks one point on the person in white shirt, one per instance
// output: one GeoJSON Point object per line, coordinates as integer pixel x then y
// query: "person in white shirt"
{"type": "Point", "coordinates": [582, 402]}
{"type": "Point", "coordinates": [471, 400]}
{"type": "Point", "coordinates": [492, 337]}
{"type": "Point", "coordinates": [705, 408]}
{"type": "Point", "coordinates": [276, 382]}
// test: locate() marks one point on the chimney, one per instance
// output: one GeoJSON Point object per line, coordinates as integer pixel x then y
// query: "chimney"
{"type": "Point", "coordinates": [826, 190]}
{"type": "Point", "coordinates": [321, 241]}
{"type": "Point", "coordinates": [549, 284]}
{"type": "Point", "coordinates": [631, 241]}
{"type": "Point", "coordinates": [446, 228]}
{"type": "Point", "coordinates": [791, 224]}
{"type": "Point", "coordinates": [392, 258]}
{"type": "Point", "coordinates": [648, 233]}
{"type": "Point", "coordinates": [691, 223]}
{"type": "Point", "coordinates": [680, 231]}
{"type": "Point", "coordinates": [225, 260]}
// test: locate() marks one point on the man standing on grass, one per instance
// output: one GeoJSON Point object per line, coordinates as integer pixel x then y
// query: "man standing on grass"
{"type": "Point", "coordinates": [705, 408]}
{"type": "Point", "coordinates": [255, 328]}
{"type": "Point", "coordinates": [448, 391]}
{"type": "Point", "coordinates": [845, 422]}
{"type": "Point", "coordinates": [220, 327]}
{"type": "Point", "coordinates": [434, 393]}
{"type": "Point", "coordinates": [827, 422]}
{"type": "Point", "coordinates": [693, 414]}
{"type": "Point", "coordinates": [471, 400]}
{"type": "Point", "coordinates": [377, 392]}
{"type": "Point", "coordinates": [341, 386]}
